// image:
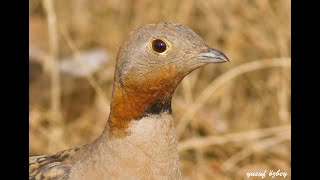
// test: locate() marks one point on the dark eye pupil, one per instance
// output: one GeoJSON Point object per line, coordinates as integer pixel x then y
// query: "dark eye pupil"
{"type": "Point", "coordinates": [159, 46]}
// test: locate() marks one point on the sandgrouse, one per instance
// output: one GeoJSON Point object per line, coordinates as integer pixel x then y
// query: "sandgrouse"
{"type": "Point", "coordinates": [138, 141]}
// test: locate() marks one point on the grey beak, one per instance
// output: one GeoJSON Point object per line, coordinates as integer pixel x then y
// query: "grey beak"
{"type": "Point", "coordinates": [213, 56]}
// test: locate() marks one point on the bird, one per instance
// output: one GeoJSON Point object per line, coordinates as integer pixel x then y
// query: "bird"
{"type": "Point", "coordinates": [138, 141]}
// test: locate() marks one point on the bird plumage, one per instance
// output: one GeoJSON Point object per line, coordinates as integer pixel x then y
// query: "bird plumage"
{"type": "Point", "coordinates": [138, 140]}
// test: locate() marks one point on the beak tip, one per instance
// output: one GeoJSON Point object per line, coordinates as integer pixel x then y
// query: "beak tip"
{"type": "Point", "coordinates": [215, 56]}
{"type": "Point", "coordinates": [227, 59]}
{"type": "Point", "coordinates": [220, 55]}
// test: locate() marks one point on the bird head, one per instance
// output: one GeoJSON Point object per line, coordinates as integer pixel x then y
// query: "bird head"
{"type": "Point", "coordinates": [162, 54]}
{"type": "Point", "coordinates": [150, 65]}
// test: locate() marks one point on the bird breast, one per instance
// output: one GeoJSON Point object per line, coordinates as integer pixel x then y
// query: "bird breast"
{"type": "Point", "coordinates": [149, 151]}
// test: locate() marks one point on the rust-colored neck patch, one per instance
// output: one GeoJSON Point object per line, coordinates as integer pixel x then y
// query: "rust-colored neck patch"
{"type": "Point", "coordinates": [137, 97]}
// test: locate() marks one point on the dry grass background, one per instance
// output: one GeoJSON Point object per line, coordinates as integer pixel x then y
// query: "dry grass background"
{"type": "Point", "coordinates": [231, 118]}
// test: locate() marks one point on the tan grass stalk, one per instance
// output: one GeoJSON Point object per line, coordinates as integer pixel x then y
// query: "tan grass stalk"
{"type": "Point", "coordinates": [56, 134]}
{"type": "Point", "coordinates": [260, 145]}
{"type": "Point", "coordinates": [90, 78]}
{"type": "Point", "coordinates": [222, 80]}
{"type": "Point", "coordinates": [198, 143]}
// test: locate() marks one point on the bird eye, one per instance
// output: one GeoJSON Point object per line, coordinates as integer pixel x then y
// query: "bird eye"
{"type": "Point", "coordinates": [159, 46]}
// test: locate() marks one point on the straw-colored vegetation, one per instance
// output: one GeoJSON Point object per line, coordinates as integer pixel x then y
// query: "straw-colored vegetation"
{"type": "Point", "coordinates": [231, 118]}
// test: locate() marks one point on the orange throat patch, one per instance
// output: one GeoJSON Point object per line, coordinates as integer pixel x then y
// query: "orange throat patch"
{"type": "Point", "coordinates": [134, 99]}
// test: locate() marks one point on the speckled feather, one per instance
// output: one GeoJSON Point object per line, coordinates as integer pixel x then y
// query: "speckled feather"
{"type": "Point", "coordinates": [54, 166]}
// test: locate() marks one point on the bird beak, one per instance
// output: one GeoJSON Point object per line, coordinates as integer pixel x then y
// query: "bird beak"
{"type": "Point", "coordinates": [212, 56]}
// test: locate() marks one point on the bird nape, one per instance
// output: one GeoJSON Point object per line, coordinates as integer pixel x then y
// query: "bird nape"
{"type": "Point", "coordinates": [138, 140]}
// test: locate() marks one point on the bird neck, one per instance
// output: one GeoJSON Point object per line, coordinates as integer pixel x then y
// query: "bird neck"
{"type": "Point", "coordinates": [132, 104]}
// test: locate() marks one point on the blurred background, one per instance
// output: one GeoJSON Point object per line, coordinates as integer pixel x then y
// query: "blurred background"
{"type": "Point", "coordinates": [230, 118]}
